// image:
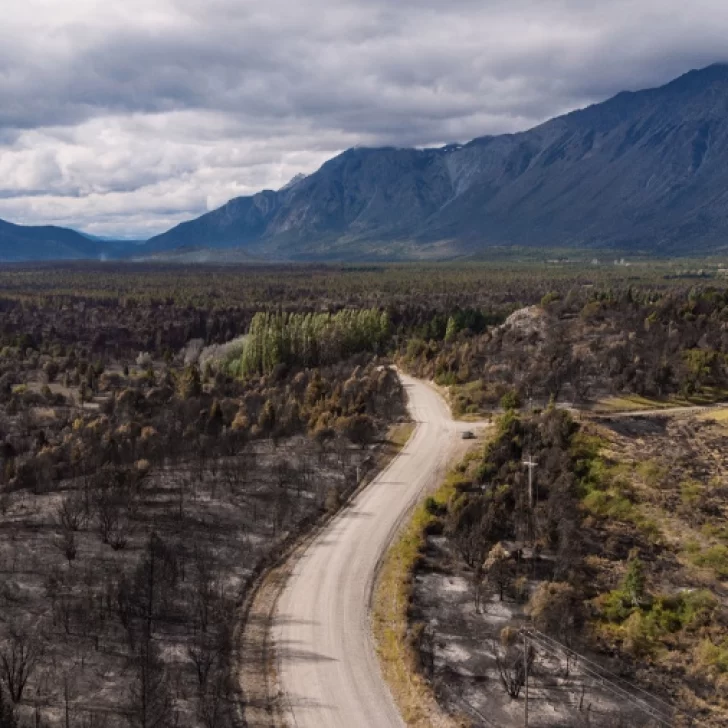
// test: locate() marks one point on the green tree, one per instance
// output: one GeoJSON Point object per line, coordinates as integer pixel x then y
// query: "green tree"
{"type": "Point", "coordinates": [510, 400]}
{"type": "Point", "coordinates": [451, 329]}
{"type": "Point", "coordinates": [634, 583]}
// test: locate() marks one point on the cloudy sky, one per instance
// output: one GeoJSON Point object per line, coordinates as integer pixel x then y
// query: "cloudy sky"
{"type": "Point", "coordinates": [125, 117]}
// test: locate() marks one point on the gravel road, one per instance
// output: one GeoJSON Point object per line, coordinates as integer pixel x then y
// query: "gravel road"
{"type": "Point", "coordinates": [327, 668]}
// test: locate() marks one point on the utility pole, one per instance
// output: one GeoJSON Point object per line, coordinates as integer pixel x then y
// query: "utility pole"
{"type": "Point", "coordinates": [525, 668]}
{"type": "Point", "coordinates": [530, 464]}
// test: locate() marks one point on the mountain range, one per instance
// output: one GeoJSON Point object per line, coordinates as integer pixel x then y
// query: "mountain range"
{"type": "Point", "coordinates": [645, 171]}
{"type": "Point", "coordinates": [49, 242]}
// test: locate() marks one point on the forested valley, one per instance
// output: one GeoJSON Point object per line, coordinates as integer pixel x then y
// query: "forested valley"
{"type": "Point", "coordinates": [166, 432]}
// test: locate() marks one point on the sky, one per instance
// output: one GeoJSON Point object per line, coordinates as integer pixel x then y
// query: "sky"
{"type": "Point", "coordinates": [125, 118]}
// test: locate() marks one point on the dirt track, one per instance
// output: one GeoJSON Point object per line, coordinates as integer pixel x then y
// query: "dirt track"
{"type": "Point", "coordinates": [327, 668]}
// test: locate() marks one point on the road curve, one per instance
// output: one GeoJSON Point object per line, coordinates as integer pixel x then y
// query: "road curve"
{"type": "Point", "coordinates": [327, 668]}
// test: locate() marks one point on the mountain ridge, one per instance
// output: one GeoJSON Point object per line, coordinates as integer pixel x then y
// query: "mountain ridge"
{"type": "Point", "coordinates": [644, 171]}
{"type": "Point", "coordinates": [20, 243]}
{"type": "Point", "coordinates": [639, 171]}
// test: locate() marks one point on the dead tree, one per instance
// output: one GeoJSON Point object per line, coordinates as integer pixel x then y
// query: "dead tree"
{"type": "Point", "coordinates": [215, 701]}
{"type": "Point", "coordinates": [203, 654]}
{"type": "Point", "coordinates": [66, 544]}
{"type": "Point", "coordinates": [150, 703]}
{"type": "Point", "coordinates": [512, 666]}
{"type": "Point", "coordinates": [72, 514]}
{"type": "Point", "coordinates": [7, 712]}
{"type": "Point", "coordinates": [20, 653]}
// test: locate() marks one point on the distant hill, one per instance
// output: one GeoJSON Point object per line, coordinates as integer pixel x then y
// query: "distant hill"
{"type": "Point", "coordinates": [48, 242]}
{"type": "Point", "coordinates": [644, 171]}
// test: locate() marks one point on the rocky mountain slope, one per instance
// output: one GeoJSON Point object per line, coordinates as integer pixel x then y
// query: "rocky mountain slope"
{"type": "Point", "coordinates": [643, 171]}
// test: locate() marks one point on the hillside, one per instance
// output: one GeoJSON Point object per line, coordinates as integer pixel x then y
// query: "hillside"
{"type": "Point", "coordinates": [48, 242]}
{"type": "Point", "coordinates": [643, 171]}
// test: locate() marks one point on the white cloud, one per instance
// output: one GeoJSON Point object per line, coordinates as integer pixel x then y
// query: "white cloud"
{"type": "Point", "coordinates": [128, 117]}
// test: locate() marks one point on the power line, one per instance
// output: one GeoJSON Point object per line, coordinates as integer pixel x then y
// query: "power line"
{"type": "Point", "coordinates": [530, 463]}
{"type": "Point", "coordinates": [595, 672]}
{"type": "Point", "coordinates": [625, 696]}
{"type": "Point", "coordinates": [613, 687]}
{"type": "Point", "coordinates": [597, 666]}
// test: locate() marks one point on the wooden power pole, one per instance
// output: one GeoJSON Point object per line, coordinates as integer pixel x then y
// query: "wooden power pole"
{"type": "Point", "coordinates": [530, 464]}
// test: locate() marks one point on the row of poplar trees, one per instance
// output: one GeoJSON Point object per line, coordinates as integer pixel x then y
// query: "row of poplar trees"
{"type": "Point", "coordinates": [311, 339]}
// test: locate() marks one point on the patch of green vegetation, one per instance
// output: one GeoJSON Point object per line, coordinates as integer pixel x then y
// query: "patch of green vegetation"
{"type": "Point", "coordinates": [643, 620]}
{"type": "Point", "coordinates": [550, 297]}
{"type": "Point", "coordinates": [701, 365]}
{"type": "Point", "coordinates": [628, 403]}
{"type": "Point", "coordinates": [610, 504]}
{"type": "Point", "coordinates": [691, 491]}
{"type": "Point", "coordinates": [606, 491]}
{"type": "Point", "coordinates": [511, 400]}
{"type": "Point", "coordinates": [713, 557]}
{"type": "Point", "coordinates": [652, 473]}
{"type": "Point", "coordinates": [472, 398]}
{"type": "Point", "coordinates": [715, 530]}
{"type": "Point", "coordinates": [287, 339]}
{"type": "Point", "coordinates": [446, 379]}
{"type": "Point", "coordinates": [712, 657]}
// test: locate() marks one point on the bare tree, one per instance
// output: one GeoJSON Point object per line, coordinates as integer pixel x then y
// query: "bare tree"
{"type": "Point", "coordinates": [20, 652]}
{"type": "Point", "coordinates": [7, 712]}
{"type": "Point", "coordinates": [203, 653]}
{"type": "Point", "coordinates": [481, 588]}
{"type": "Point", "coordinates": [116, 504]}
{"type": "Point", "coordinates": [150, 704]}
{"type": "Point", "coordinates": [66, 544]}
{"type": "Point", "coordinates": [215, 699]}
{"type": "Point", "coordinates": [206, 590]}
{"type": "Point", "coordinates": [72, 514]}
{"type": "Point", "coordinates": [512, 664]}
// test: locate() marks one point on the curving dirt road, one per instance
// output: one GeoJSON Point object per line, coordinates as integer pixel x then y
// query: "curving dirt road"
{"type": "Point", "coordinates": [327, 668]}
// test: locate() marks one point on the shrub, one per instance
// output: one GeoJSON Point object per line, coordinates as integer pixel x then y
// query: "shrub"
{"type": "Point", "coordinates": [511, 400]}
{"type": "Point", "coordinates": [714, 557]}
{"type": "Point", "coordinates": [712, 657]}
{"type": "Point", "coordinates": [432, 506]}
{"type": "Point", "coordinates": [550, 298]}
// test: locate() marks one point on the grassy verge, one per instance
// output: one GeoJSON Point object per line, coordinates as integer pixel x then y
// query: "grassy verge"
{"type": "Point", "coordinates": [392, 597]}
{"type": "Point", "coordinates": [634, 403]}
{"type": "Point", "coordinates": [630, 403]}
{"type": "Point", "coordinates": [399, 435]}
{"type": "Point", "coordinates": [719, 415]}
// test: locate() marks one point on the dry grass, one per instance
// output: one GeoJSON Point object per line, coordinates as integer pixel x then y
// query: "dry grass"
{"type": "Point", "coordinates": [718, 415]}
{"type": "Point", "coordinates": [634, 402]}
{"type": "Point", "coordinates": [400, 434]}
{"type": "Point", "coordinates": [630, 403]}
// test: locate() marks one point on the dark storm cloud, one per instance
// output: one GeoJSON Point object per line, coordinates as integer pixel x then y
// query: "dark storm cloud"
{"type": "Point", "coordinates": [132, 116]}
